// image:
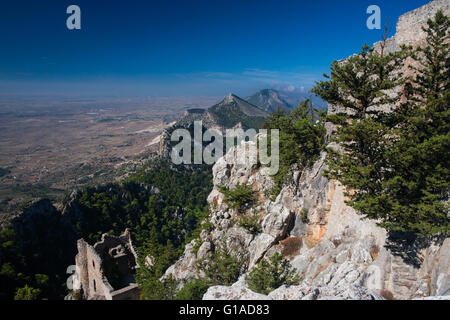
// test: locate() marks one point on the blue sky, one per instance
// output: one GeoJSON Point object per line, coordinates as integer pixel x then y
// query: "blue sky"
{"type": "Point", "coordinates": [180, 47]}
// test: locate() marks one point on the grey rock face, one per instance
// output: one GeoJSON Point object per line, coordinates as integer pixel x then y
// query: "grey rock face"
{"type": "Point", "coordinates": [239, 292]}
{"type": "Point", "coordinates": [342, 256]}
{"type": "Point", "coordinates": [275, 220]}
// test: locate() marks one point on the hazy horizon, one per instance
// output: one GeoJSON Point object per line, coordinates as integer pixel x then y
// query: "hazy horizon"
{"type": "Point", "coordinates": [174, 49]}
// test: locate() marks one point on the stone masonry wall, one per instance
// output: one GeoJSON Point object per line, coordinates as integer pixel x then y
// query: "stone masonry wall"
{"type": "Point", "coordinates": [96, 262]}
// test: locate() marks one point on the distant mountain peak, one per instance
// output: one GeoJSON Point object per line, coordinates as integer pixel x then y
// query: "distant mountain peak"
{"type": "Point", "coordinates": [229, 98]}
{"type": "Point", "coordinates": [269, 100]}
{"type": "Point", "coordinates": [231, 112]}
{"type": "Point", "coordinates": [241, 104]}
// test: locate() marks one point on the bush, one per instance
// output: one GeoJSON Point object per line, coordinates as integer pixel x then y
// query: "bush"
{"type": "Point", "coordinates": [250, 223]}
{"type": "Point", "coordinates": [301, 140]}
{"type": "Point", "coordinates": [193, 290]}
{"type": "Point", "coordinates": [148, 278]}
{"type": "Point", "coordinates": [240, 198]}
{"type": "Point", "coordinates": [271, 274]}
{"type": "Point", "coordinates": [27, 293]}
{"type": "Point", "coordinates": [224, 267]}
{"type": "Point", "coordinates": [304, 216]}
{"type": "Point", "coordinates": [159, 290]}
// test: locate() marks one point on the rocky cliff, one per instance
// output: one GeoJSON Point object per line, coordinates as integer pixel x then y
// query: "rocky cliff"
{"type": "Point", "coordinates": [336, 253]}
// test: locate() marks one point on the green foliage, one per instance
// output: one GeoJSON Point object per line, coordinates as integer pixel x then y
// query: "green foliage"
{"type": "Point", "coordinates": [396, 164]}
{"type": "Point", "coordinates": [148, 278]}
{"type": "Point", "coordinates": [27, 293]}
{"type": "Point", "coordinates": [183, 186]}
{"type": "Point", "coordinates": [76, 295]}
{"type": "Point", "coordinates": [183, 191]}
{"type": "Point", "coordinates": [223, 268]}
{"type": "Point", "coordinates": [32, 259]}
{"type": "Point", "coordinates": [357, 83]}
{"type": "Point", "coordinates": [114, 208]}
{"type": "Point", "coordinates": [41, 279]}
{"type": "Point", "coordinates": [271, 274]}
{"type": "Point", "coordinates": [250, 223]}
{"type": "Point", "coordinates": [241, 197]}
{"type": "Point", "coordinates": [304, 216]}
{"type": "Point", "coordinates": [161, 223]}
{"type": "Point", "coordinates": [159, 290]}
{"type": "Point", "coordinates": [301, 140]}
{"type": "Point", "coordinates": [193, 290]}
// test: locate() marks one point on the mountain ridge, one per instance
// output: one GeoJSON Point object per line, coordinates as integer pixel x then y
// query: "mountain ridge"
{"type": "Point", "coordinates": [269, 100]}
{"type": "Point", "coordinates": [230, 112]}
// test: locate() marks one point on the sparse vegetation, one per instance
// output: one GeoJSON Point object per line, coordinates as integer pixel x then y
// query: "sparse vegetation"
{"type": "Point", "coordinates": [270, 274]}
{"type": "Point", "coordinates": [250, 223]}
{"type": "Point", "coordinates": [223, 268]}
{"type": "Point", "coordinates": [304, 215]}
{"type": "Point", "coordinates": [27, 293]}
{"type": "Point", "coordinates": [301, 140]}
{"type": "Point", "coordinates": [241, 197]}
{"type": "Point", "coordinates": [193, 290]}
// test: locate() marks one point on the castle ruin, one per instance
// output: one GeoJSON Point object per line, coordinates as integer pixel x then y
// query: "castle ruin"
{"type": "Point", "coordinates": [107, 269]}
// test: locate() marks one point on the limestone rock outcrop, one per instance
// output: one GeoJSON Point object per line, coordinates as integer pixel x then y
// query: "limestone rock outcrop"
{"type": "Point", "coordinates": [337, 249]}
{"type": "Point", "coordinates": [239, 291]}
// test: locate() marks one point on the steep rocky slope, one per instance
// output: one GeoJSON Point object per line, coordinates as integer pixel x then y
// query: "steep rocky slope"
{"type": "Point", "coordinates": [332, 248]}
{"type": "Point", "coordinates": [337, 254]}
{"type": "Point", "coordinates": [230, 112]}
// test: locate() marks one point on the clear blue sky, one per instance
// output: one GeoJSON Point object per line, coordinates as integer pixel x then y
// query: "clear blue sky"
{"type": "Point", "coordinates": [180, 47]}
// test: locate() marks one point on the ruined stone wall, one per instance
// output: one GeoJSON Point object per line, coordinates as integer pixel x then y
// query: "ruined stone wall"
{"type": "Point", "coordinates": [409, 26]}
{"type": "Point", "coordinates": [93, 282]}
{"type": "Point", "coordinates": [130, 292]}
{"type": "Point", "coordinates": [96, 262]}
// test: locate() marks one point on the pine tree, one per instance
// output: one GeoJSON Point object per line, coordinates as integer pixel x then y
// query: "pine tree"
{"type": "Point", "coordinates": [360, 85]}
{"type": "Point", "coordinates": [270, 274]}
{"type": "Point", "coordinates": [394, 165]}
{"type": "Point", "coordinates": [301, 140]}
{"type": "Point", "coordinates": [418, 186]}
